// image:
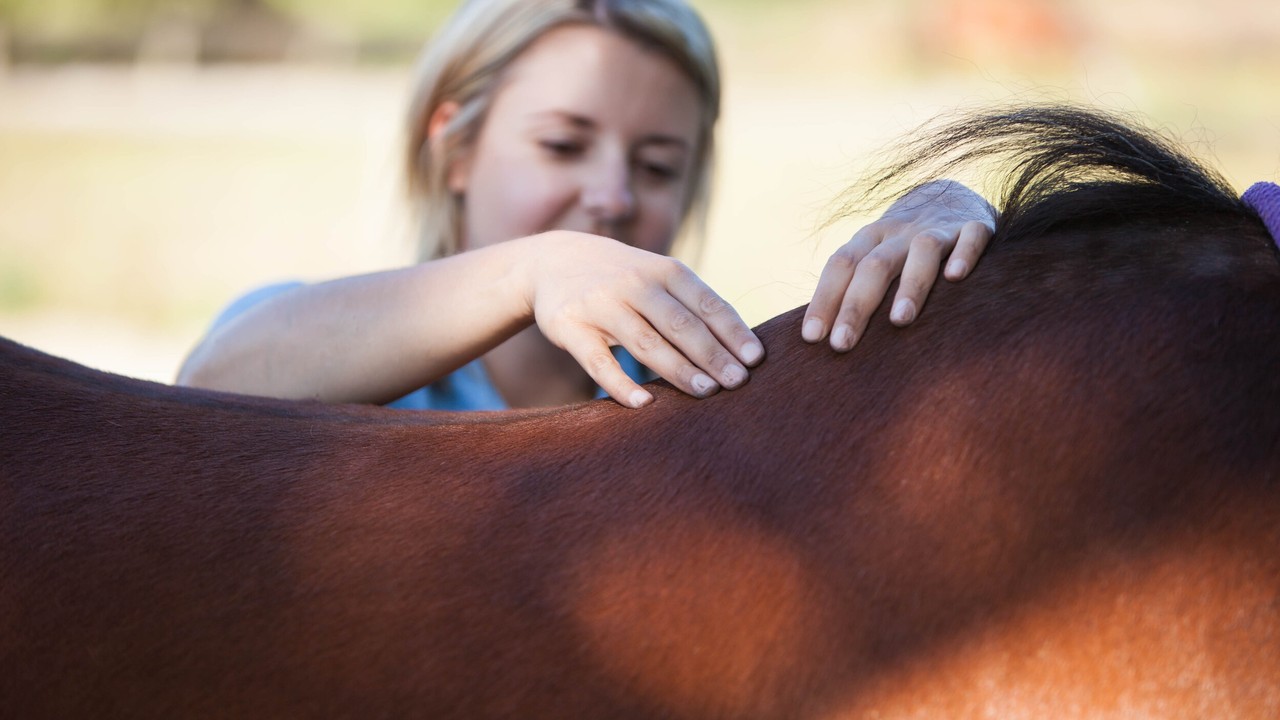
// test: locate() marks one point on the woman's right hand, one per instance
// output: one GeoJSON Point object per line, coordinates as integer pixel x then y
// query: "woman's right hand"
{"type": "Point", "coordinates": [373, 338]}
{"type": "Point", "coordinates": [587, 293]}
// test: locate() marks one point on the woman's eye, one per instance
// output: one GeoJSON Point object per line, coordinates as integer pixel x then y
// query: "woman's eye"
{"type": "Point", "coordinates": [561, 148]}
{"type": "Point", "coordinates": [660, 171]}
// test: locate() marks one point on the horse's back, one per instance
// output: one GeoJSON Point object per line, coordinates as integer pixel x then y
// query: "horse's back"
{"type": "Point", "coordinates": [1055, 495]}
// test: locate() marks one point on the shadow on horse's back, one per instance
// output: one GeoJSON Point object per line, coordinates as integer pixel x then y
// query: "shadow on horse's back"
{"type": "Point", "coordinates": [1055, 495]}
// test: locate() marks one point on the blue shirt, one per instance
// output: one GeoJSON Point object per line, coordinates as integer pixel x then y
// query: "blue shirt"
{"type": "Point", "coordinates": [467, 388]}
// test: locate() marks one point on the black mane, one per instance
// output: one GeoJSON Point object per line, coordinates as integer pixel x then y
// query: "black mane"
{"type": "Point", "coordinates": [1054, 168]}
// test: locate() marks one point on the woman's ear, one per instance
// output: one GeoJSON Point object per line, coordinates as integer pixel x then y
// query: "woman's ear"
{"type": "Point", "coordinates": [439, 120]}
{"type": "Point", "coordinates": [456, 173]}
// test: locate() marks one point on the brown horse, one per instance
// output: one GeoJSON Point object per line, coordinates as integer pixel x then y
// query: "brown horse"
{"type": "Point", "coordinates": [1055, 495]}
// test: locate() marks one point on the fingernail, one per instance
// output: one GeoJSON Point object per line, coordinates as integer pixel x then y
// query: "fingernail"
{"type": "Point", "coordinates": [904, 311]}
{"type": "Point", "coordinates": [957, 268]}
{"type": "Point", "coordinates": [752, 352]}
{"type": "Point", "coordinates": [640, 398]}
{"type": "Point", "coordinates": [734, 375]}
{"type": "Point", "coordinates": [702, 384]}
{"type": "Point", "coordinates": [842, 338]}
{"type": "Point", "coordinates": [812, 330]}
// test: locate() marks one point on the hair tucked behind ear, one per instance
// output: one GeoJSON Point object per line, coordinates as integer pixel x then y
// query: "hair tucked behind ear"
{"type": "Point", "coordinates": [1050, 167]}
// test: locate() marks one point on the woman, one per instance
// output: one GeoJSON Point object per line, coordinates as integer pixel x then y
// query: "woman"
{"type": "Point", "coordinates": [558, 148]}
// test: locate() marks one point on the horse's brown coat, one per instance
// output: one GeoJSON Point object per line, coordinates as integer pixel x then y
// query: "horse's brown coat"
{"type": "Point", "coordinates": [1056, 495]}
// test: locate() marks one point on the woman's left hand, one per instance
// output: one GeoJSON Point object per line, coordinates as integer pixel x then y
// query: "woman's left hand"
{"type": "Point", "coordinates": [929, 222]}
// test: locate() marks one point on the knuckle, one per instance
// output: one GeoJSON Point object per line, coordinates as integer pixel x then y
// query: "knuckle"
{"type": "Point", "coordinates": [930, 241]}
{"type": "Point", "coordinates": [911, 286]}
{"type": "Point", "coordinates": [646, 341]}
{"type": "Point", "coordinates": [599, 362]}
{"type": "Point", "coordinates": [845, 258]}
{"type": "Point", "coordinates": [682, 321]}
{"type": "Point", "coordinates": [567, 312]}
{"type": "Point", "coordinates": [675, 269]}
{"type": "Point", "coordinates": [632, 279]}
{"type": "Point", "coordinates": [976, 232]}
{"type": "Point", "coordinates": [876, 264]}
{"type": "Point", "coordinates": [851, 313]}
{"type": "Point", "coordinates": [872, 233]}
{"type": "Point", "coordinates": [686, 373]}
{"type": "Point", "coordinates": [712, 304]}
{"type": "Point", "coordinates": [719, 359]}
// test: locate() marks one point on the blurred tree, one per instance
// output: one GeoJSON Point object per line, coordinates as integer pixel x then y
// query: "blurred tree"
{"type": "Point", "coordinates": [51, 30]}
{"type": "Point", "coordinates": [385, 18]}
{"type": "Point", "coordinates": [69, 17]}
{"type": "Point", "coordinates": [86, 17]}
{"type": "Point", "coordinates": [228, 29]}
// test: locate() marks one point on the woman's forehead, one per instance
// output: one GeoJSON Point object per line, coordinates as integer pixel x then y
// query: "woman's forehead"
{"type": "Point", "coordinates": [586, 72]}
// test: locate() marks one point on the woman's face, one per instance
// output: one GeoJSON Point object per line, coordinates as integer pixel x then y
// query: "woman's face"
{"type": "Point", "coordinates": [588, 132]}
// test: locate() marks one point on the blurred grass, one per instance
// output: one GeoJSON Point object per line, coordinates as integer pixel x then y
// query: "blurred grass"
{"type": "Point", "coordinates": [130, 220]}
{"type": "Point", "coordinates": [136, 201]}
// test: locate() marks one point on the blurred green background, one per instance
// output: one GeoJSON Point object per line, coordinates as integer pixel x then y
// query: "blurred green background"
{"type": "Point", "coordinates": [159, 157]}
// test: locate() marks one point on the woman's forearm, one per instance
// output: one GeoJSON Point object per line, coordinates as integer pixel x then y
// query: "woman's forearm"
{"type": "Point", "coordinates": [369, 338]}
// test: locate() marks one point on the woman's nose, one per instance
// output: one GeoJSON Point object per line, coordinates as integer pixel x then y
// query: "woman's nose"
{"type": "Point", "coordinates": [607, 196]}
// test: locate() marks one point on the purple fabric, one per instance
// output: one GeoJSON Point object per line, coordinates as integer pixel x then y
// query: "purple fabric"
{"type": "Point", "coordinates": [1264, 198]}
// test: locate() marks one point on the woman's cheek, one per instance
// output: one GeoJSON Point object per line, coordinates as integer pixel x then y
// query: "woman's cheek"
{"type": "Point", "coordinates": [658, 226]}
{"type": "Point", "coordinates": [525, 206]}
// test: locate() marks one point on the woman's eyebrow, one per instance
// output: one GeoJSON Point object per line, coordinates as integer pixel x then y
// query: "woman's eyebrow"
{"type": "Point", "coordinates": [578, 121]}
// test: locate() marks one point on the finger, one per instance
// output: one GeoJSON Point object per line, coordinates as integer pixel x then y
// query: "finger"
{"type": "Point", "coordinates": [866, 291]}
{"type": "Point", "coordinates": [716, 316]}
{"type": "Point", "coordinates": [593, 354]}
{"type": "Point", "coordinates": [834, 283]}
{"type": "Point", "coordinates": [692, 340]}
{"type": "Point", "coordinates": [919, 273]}
{"type": "Point", "coordinates": [652, 349]}
{"type": "Point", "coordinates": [974, 236]}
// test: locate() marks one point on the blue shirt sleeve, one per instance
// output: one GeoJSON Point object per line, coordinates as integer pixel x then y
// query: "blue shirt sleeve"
{"type": "Point", "coordinates": [248, 300]}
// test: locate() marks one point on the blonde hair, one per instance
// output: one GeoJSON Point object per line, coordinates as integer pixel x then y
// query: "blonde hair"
{"type": "Point", "coordinates": [465, 61]}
